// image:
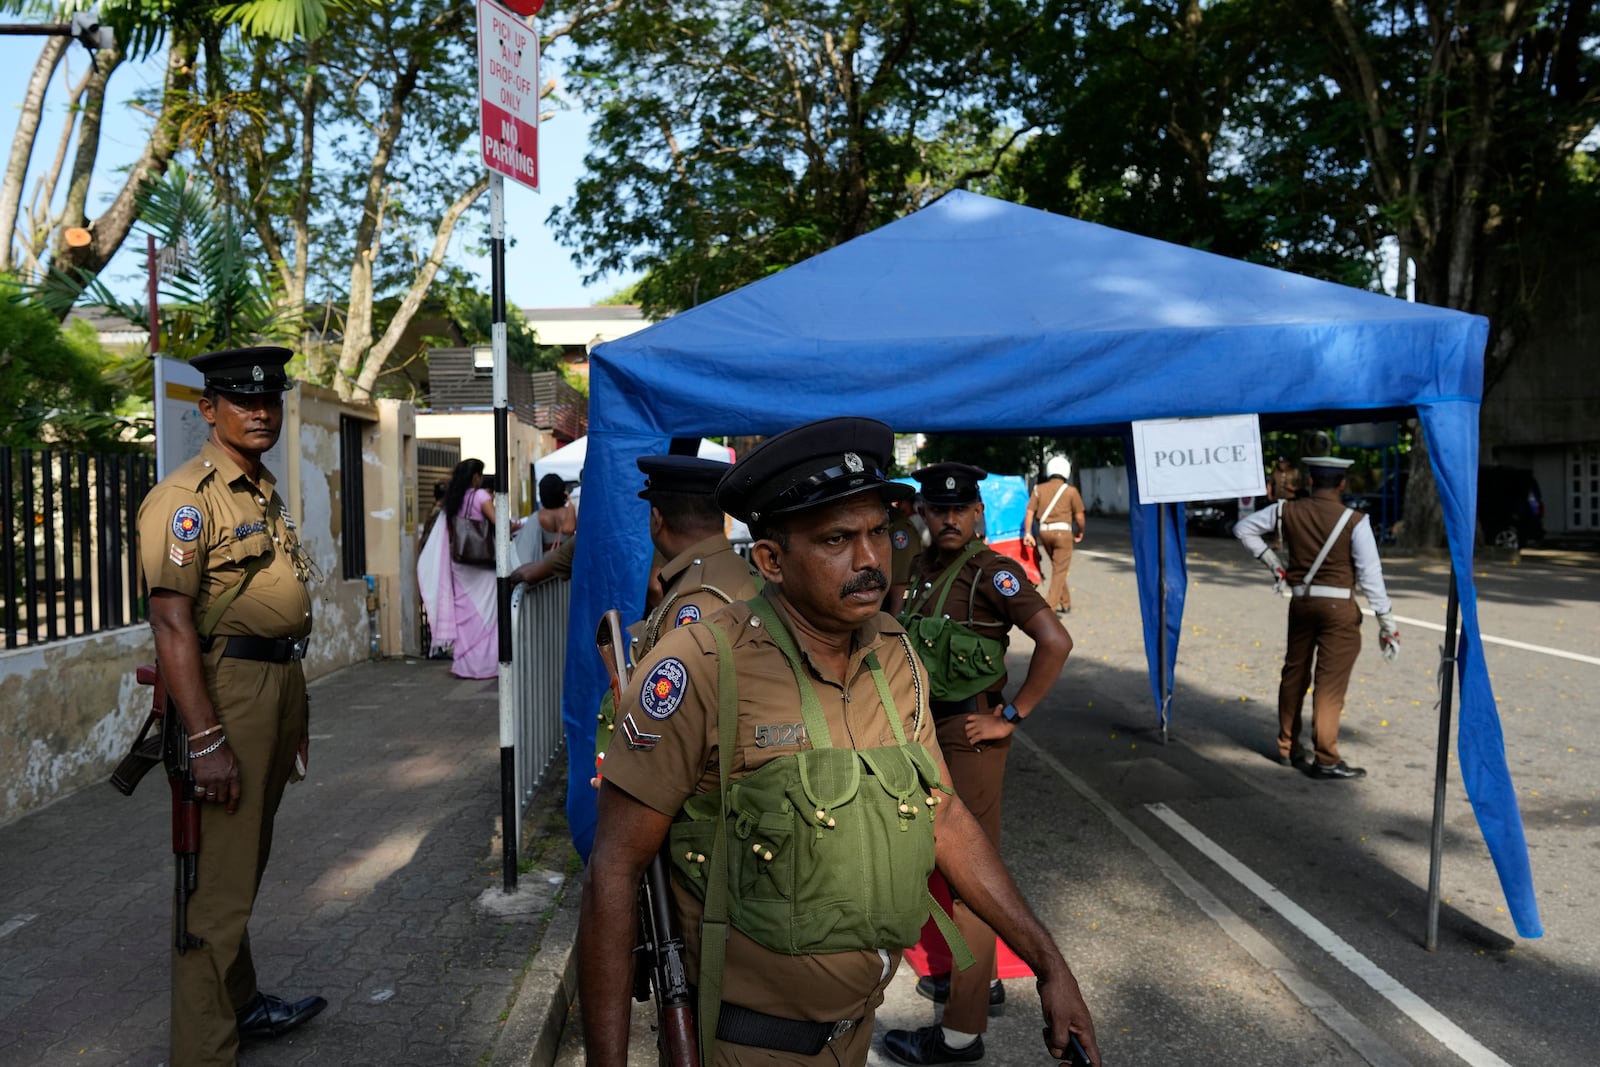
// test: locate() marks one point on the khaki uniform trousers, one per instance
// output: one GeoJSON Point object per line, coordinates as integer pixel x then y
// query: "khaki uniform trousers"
{"type": "Point", "coordinates": [262, 708]}
{"type": "Point", "coordinates": [977, 777]}
{"type": "Point", "coordinates": [849, 1049]}
{"type": "Point", "coordinates": [1058, 543]}
{"type": "Point", "coordinates": [1327, 631]}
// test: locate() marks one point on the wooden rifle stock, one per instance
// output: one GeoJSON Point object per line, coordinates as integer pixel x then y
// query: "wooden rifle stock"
{"type": "Point", "coordinates": [185, 808]}
{"type": "Point", "coordinates": [658, 954]}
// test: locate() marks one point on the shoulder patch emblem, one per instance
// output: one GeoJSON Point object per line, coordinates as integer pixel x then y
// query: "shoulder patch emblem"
{"type": "Point", "coordinates": [663, 690]}
{"type": "Point", "coordinates": [1007, 583]}
{"type": "Point", "coordinates": [186, 523]}
{"type": "Point", "coordinates": [901, 540]}
{"type": "Point", "coordinates": [687, 614]}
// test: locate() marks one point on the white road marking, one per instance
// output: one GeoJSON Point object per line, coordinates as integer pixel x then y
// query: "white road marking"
{"type": "Point", "coordinates": [15, 923]}
{"type": "Point", "coordinates": [1366, 1044]}
{"type": "Point", "coordinates": [1418, 1010]}
{"type": "Point", "coordinates": [1491, 640]}
{"type": "Point", "coordinates": [1488, 639]}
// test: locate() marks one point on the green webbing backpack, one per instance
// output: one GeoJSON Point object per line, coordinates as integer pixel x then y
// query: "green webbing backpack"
{"type": "Point", "coordinates": [829, 849]}
{"type": "Point", "coordinates": [961, 662]}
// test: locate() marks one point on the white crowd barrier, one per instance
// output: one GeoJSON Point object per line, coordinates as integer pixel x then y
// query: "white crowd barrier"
{"type": "Point", "coordinates": [538, 659]}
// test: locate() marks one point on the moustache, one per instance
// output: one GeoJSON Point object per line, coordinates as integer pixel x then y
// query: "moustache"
{"type": "Point", "coordinates": [871, 578]}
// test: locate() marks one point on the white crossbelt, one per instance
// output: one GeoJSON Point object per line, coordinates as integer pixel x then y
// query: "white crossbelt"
{"type": "Point", "coordinates": [1055, 526]}
{"type": "Point", "coordinates": [1331, 591]}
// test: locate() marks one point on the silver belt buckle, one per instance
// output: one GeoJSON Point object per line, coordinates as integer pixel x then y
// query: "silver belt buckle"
{"type": "Point", "coordinates": [297, 648]}
{"type": "Point", "coordinates": [841, 1028]}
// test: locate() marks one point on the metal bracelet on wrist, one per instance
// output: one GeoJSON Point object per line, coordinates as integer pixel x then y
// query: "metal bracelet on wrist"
{"type": "Point", "coordinates": [212, 747]}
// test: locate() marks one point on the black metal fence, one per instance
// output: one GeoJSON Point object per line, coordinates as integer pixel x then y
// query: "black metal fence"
{"type": "Point", "coordinates": [68, 562]}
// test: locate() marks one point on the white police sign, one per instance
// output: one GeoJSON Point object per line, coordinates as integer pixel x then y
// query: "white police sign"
{"type": "Point", "coordinates": [1198, 459]}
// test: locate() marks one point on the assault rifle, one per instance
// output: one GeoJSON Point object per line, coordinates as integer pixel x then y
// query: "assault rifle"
{"type": "Point", "coordinates": [170, 744]}
{"type": "Point", "coordinates": [658, 956]}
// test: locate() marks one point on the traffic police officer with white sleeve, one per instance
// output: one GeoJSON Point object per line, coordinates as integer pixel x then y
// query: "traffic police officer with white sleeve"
{"type": "Point", "coordinates": [1330, 553]}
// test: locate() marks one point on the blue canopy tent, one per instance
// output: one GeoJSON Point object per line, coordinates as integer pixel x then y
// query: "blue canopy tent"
{"type": "Point", "coordinates": [979, 316]}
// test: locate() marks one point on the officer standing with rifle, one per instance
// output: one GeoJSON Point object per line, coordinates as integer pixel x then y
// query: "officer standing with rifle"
{"type": "Point", "coordinates": [230, 611]}
{"type": "Point", "coordinates": [805, 690]}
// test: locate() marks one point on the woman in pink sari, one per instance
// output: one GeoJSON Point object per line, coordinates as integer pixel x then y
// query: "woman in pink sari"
{"type": "Point", "coordinates": [459, 597]}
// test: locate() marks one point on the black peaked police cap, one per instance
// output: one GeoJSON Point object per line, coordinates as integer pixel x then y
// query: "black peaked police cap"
{"type": "Point", "coordinates": [809, 465]}
{"type": "Point", "coordinates": [949, 484]}
{"type": "Point", "coordinates": [681, 474]}
{"type": "Point", "coordinates": [245, 370]}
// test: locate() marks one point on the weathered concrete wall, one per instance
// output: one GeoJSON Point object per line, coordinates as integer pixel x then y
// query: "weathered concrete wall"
{"type": "Point", "coordinates": [72, 709]}
{"type": "Point", "coordinates": [74, 706]}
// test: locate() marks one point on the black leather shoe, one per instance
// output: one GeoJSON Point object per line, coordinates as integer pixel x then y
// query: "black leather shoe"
{"type": "Point", "coordinates": [270, 1016]}
{"type": "Point", "coordinates": [927, 1046]}
{"type": "Point", "coordinates": [1339, 771]}
{"type": "Point", "coordinates": [1299, 760]}
{"type": "Point", "coordinates": [936, 987]}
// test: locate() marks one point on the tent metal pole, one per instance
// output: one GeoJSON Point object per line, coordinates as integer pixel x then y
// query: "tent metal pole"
{"type": "Point", "coordinates": [1163, 694]}
{"type": "Point", "coordinates": [1447, 683]}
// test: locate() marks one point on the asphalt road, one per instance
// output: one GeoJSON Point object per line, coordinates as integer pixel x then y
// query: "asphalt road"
{"type": "Point", "coordinates": [1221, 910]}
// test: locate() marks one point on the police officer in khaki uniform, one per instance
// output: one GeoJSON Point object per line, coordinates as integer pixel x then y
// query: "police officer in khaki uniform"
{"type": "Point", "coordinates": [1058, 507]}
{"type": "Point", "coordinates": [813, 670]}
{"type": "Point", "coordinates": [960, 578]}
{"type": "Point", "coordinates": [702, 572]}
{"type": "Point", "coordinates": [216, 528]}
{"type": "Point", "coordinates": [1331, 552]}
{"type": "Point", "coordinates": [906, 542]}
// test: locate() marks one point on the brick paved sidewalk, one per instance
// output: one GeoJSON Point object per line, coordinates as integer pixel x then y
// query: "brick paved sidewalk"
{"type": "Point", "coordinates": [383, 895]}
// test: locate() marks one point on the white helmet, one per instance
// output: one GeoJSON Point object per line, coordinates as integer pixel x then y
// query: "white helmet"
{"type": "Point", "coordinates": [1058, 466]}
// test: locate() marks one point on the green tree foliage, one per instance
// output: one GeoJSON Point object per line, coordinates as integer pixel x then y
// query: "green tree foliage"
{"type": "Point", "coordinates": [469, 310]}
{"type": "Point", "coordinates": [213, 292]}
{"type": "Point", "coordinates": [52, 393]}
{"type": "Point", "coordinates": [737, 138]}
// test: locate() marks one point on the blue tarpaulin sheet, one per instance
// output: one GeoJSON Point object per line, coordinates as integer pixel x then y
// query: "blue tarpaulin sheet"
{"type": "Point", "coordinates": [978, 316]}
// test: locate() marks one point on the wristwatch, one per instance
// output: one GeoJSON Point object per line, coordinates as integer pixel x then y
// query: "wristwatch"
{"type": "Point", "coordinates": [1011, 715]}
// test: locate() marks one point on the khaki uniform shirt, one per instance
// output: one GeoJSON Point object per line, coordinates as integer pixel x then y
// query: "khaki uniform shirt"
{"type": "Point", "coordinates": [680, 675]}
{"type": "Point", "coordinates": [1068, 506]}
{"type": "Point", "coordinates": [697, 582]}
{"type": "Point", "coordinates": [560, 558]}
{"type": "Point", "coordinates": [202, 525]}
{"type": "Point", "coordinates": [905, 542]}
{"type": "Point", "coordinates": [991, 594]}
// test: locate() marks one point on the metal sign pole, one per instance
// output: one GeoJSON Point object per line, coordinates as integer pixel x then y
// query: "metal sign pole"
{"type": "Point", "coordinates": [502, 531]}
{"type": "Point", "coordinates": [1447, 685]}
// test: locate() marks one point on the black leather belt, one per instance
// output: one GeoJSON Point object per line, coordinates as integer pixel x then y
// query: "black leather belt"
{"type": "Point", "coordinates": [943, 709]}
{"type": "Point", "coordinates": [746, 1026]}
{"type": "Point", "coordinates": [265, 649]}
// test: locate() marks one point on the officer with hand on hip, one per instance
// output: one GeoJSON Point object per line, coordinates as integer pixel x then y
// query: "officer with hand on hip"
{"type": "Point", "coordinates": [965, 600]}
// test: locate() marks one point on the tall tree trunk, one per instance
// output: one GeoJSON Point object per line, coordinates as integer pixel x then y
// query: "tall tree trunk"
{"type": "Point", "coordinates": [111, 227]}
{"type": "Point", "coordinates": [22, 143]}
{"type": "Point", "coordinates": [378, 354]}
{"type": "Point", "coordinates": [357, 350]}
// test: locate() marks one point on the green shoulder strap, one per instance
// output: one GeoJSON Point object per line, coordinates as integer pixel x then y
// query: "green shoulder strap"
{"type": "Point", "coordinates": [810, 707]}
{"type": "Point", "coordinates": [946, 580]}
{"type": "Point", "coordinates": [714, 919]}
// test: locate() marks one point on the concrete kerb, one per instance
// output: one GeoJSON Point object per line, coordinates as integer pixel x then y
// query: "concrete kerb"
{"type": "Point", "coordinates": [532, 1032]}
